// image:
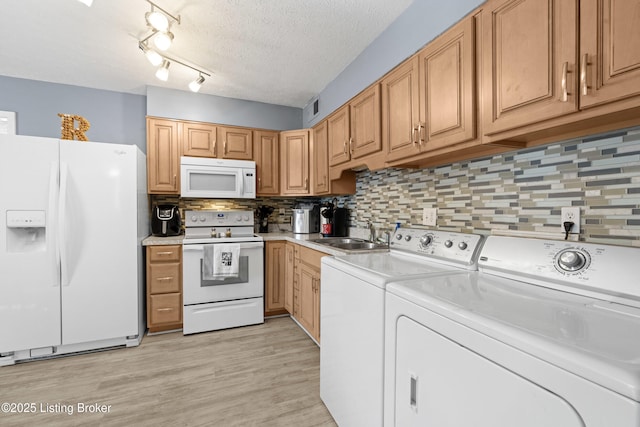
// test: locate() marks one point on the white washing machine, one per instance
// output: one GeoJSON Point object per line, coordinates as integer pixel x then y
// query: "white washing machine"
{"type": "Point", "coordinates": [547, 333]}
{"type": "Point", "coordinates": [352, 315]}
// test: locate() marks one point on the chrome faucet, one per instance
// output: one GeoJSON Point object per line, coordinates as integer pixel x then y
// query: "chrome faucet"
{"type": "Point", "coordinates": [372, 231]}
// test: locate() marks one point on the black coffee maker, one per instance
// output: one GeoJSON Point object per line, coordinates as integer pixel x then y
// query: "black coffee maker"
{"type": "Point", "coordinates": [263, 218]}
{"type": "Point", "coordinates": [166, 221]}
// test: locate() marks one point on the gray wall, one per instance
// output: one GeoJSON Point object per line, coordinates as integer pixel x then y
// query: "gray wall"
{"type": "Point", "coordinates": [418, 25]}
{"type": "Point", "coordinates": [183, 105]}
{"type": "Point", "coordinates": [115, 117]}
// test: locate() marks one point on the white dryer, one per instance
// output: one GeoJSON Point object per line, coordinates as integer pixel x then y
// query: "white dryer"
{"type": "Point", "coordinates": [352, 314]}
{"type": "Point", "coordinates": [547, 333]}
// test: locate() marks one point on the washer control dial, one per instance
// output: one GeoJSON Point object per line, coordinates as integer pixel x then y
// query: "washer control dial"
{"type": "Point", "coordinates": [572, 260]}
{"type": "Point", "coordinates": [426, 240]}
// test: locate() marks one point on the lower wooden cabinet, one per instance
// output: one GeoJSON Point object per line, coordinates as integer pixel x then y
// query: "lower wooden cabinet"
{"type": "Point", "coordinates": [289, 271]}
{"type": "Point", "coordinates": [164, 287]}
{"type": "Point", "coordinates": [292, 283]}
{"type": "Point", "coordinates": [309, 299]}
{"type": "Point", "coordinates": [275, 278]}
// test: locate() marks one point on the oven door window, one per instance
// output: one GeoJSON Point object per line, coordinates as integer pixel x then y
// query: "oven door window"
{"type": "Point", "coordinates": [243, 274]}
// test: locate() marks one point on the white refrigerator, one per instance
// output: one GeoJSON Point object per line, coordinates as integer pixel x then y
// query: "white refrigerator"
{"type": "Point", "coordinates": [73, 216]}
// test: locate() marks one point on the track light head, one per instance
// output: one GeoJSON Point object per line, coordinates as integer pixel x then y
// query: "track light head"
{"type": "Point", "coordinates": [195, 85]}
{"type": "Point", "coordinates": [163, 40]}
{"type": "Point", "coordinates": [163, 71]}
{"type": "Point", "coordinates": [152, 56]}
{"type": "Point", "coordinates": [157, 20]}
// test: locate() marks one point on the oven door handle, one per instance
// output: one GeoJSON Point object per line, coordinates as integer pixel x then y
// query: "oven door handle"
{"type": "Point", "coordinates": [194, 248]}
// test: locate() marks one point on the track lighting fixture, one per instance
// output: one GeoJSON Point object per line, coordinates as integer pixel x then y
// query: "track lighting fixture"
{"type": "Point", "coordinates": [197, 83]}
{"type": "Point", "coordinates": [163, 71]}
{"type": "Point", "coordinates": [159, 21]}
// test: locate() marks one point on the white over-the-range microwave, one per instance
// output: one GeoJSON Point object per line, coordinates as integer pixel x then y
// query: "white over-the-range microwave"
{"type": "Point", "coordinates": [217, 178]}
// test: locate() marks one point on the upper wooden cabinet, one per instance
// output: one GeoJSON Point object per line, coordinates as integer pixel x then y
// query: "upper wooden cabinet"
{"type": "Point", "coordinates": [401, 110]}
{"type": "Point", "coordinates": [354, 130]}
{"type": "Point", "coordinates": [609, 51]}
{"type": "Point", "coordinates": [338, 136]}
{"type": "Point", "coordinates": [529, 61]}
{"type": "Point", "coordinates": [448, 88]}
{"type": "Point", "coordinates": [320, 163]}
{"type": "Point", "coordinates": [237, 143]}
{"type": "Point", "coordinates": [266, 154]}
{"type": "Point", "coordinates": [199, 139]}
{"type": "Point", "coordinates": [364, 119]}
{"type": "Point", "coordinates": [163, 157]}
{"type": "Point", "coordinates": [429, 102]}
{"type": "Point", "coordinates": [544, 82]}
{"type": "Point", "coordinates": [294, 162]}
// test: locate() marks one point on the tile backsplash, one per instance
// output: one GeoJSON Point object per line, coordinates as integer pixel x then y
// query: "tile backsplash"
{"type": "Point", "coordinates": [521, 191]}
{"type": "Point", "coordinates": [277, 220]}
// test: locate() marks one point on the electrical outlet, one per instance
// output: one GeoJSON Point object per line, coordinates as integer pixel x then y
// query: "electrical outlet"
{"type": "Point", "coordinates": [570, 214]}
{"type": "Point", "coordinates": [429, 216]}
{"type": "Point", "coordinates": [281, 210]}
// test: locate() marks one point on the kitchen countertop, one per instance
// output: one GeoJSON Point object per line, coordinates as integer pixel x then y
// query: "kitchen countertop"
{"type": "Point", "coordinates": [301, 239]}
{"type": "Point", "coordinates": [159, 241]}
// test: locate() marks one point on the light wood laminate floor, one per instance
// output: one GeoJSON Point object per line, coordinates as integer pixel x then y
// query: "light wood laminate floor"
{"type": "Point", "coordinates": [263, 375]}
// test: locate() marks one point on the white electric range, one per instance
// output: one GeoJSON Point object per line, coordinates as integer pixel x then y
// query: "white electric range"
{"type": "Point", "coordinates": [212, 304]}
{"type": "Point", "coordinates": [547, 333]}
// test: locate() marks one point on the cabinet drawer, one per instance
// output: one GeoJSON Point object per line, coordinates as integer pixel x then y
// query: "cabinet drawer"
{"type": "Point", "coordinates": [311, 257]}
{"type": "Point", "coordinates": [164, 278]}
{"type": "Point", "coordinates": [164, 253]}
{"type": "Point", "coordinates": [166, 308]}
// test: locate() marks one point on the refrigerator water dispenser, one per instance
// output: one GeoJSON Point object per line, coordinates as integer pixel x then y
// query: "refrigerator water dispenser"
{"type": "Point", "coordinates": [26, 231]}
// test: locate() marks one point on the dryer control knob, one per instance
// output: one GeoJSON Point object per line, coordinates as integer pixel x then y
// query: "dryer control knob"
{"type": "Point", "coordinates": [203, 218]}
{"type": "Point", "coordinates": [572, 260]}
{"type": "Point", "coordinates": [194, 218]}
{"type": "Point", "coordinates": [448, 243]}
{"type": "Point", "coordinates": [462, 245]}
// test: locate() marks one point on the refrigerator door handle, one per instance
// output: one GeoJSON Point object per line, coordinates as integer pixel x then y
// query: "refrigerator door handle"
{"type": "Point", "coordinates": [51, 221]}
{"type": "Point", "coordinates": [62, 210]}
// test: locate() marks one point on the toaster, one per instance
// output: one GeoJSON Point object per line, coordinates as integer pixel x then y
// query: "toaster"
{"type": "Point", "coordinates": [166, 221]}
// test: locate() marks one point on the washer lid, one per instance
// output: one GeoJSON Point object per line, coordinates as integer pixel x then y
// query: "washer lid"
{"type": "Point", "coordinates": [384, 267]}
{"type": "Point", "coordinates": [595, 339]}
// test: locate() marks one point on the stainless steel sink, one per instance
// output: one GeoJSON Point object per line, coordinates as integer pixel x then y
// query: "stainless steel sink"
{"type": "Point", "coordinates": [349, 244]}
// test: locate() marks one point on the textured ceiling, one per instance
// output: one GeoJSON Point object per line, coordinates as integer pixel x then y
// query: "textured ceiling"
{"type": "Point", "coordinates": [275, 51]}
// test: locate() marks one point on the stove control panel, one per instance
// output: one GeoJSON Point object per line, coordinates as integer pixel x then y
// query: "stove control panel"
{"type": "Point", "coordinates": [215, 218]}
{"type": "Point", "coordinates": [459, 248]}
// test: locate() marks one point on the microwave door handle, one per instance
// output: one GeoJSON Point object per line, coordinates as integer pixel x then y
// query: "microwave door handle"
{"type": "Point", "coordinates": [242, 183]}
